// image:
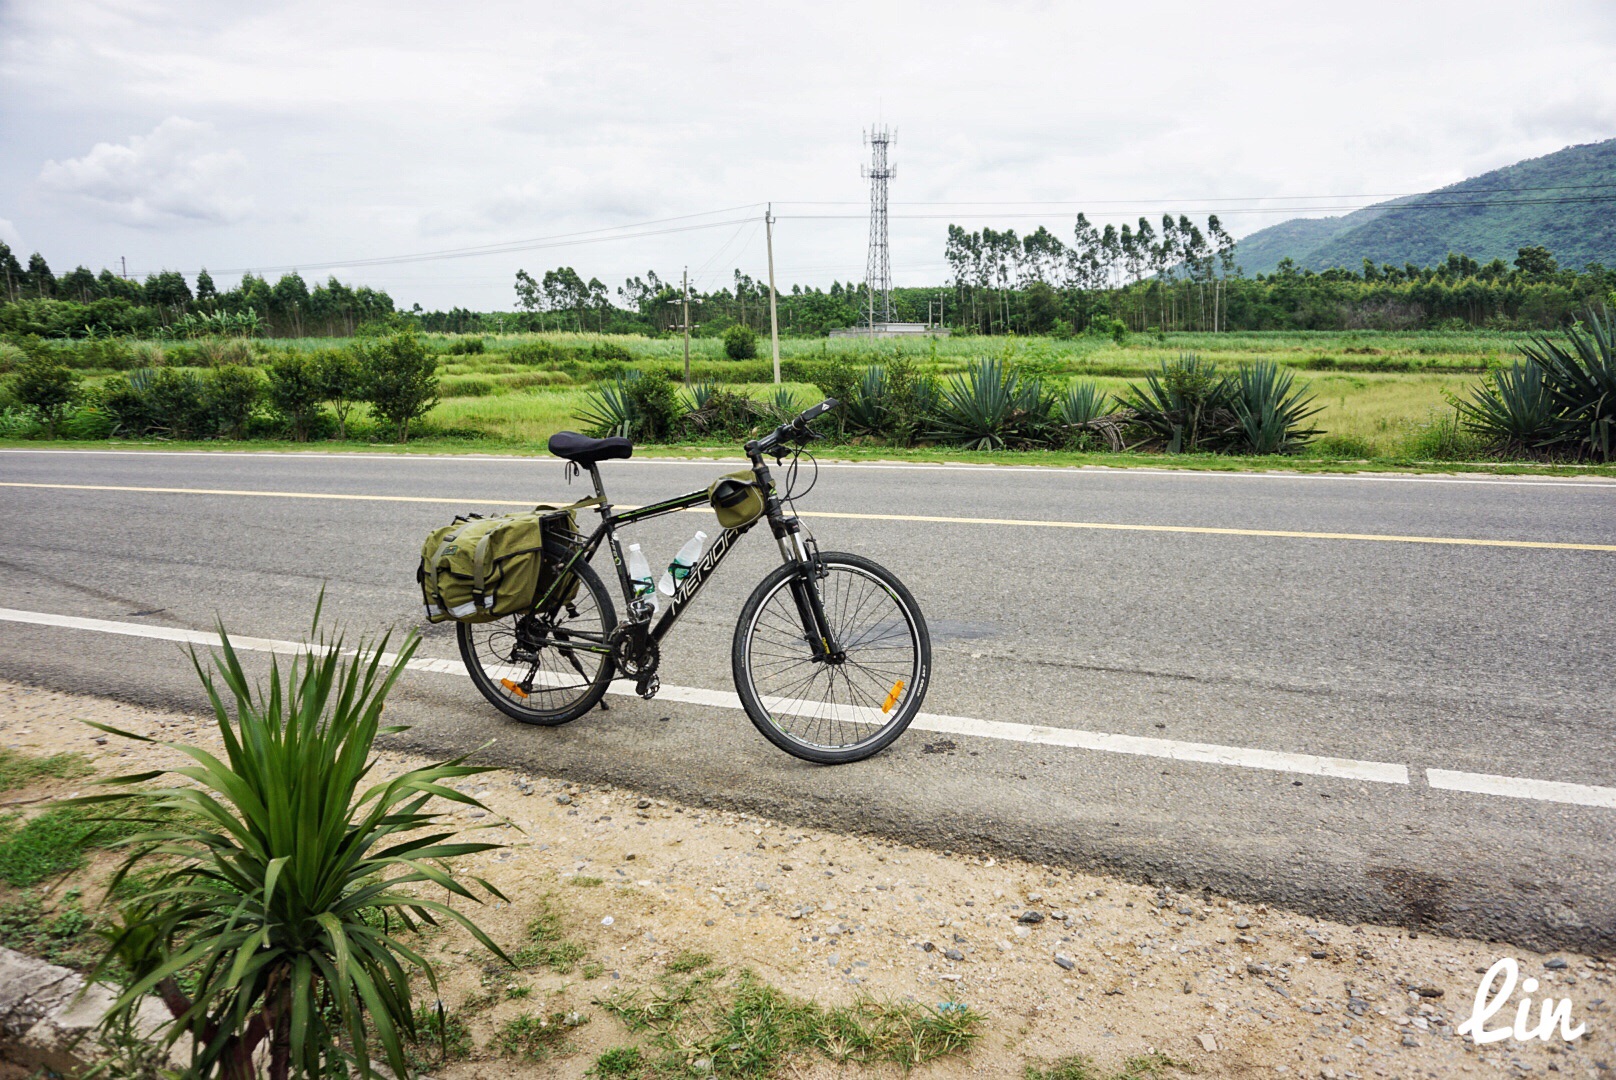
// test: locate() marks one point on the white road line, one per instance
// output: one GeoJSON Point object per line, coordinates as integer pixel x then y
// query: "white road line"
{"type": "Point", "coordinates": [1207, 753]}
{"type": "Point", "coordinates": [899, 466]}
{"type": "Point", "coordinates": [1515, 787]}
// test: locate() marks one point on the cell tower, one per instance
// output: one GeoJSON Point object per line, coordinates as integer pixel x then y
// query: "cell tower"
{"type": "Point", "coordinates": [878, 272]}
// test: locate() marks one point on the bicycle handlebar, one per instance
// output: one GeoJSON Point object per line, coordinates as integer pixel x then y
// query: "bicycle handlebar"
{"type": "Point", "coordinates": [794, 430]}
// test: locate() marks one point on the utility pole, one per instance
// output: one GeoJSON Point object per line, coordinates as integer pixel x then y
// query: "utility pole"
{"type": "Point", "coordinates": [123, 261]}
{"type": "Point", "coordinates": [687, 323]}
{"type": "Point", "coordinates": [774, 314]}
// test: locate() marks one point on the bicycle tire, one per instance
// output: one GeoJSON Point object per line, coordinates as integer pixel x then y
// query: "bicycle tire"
{"type": "Point", "coordinates": [501, 637]}
{"type": "Point", "coordinates": [770, 655]}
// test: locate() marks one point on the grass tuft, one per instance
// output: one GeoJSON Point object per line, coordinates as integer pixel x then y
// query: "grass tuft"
{"type": "Point", "coordinates": [688, 961]}
{"type": "Point", "coordinates": [55, 841]}
{"type": "Point", "coordinates": [584, 882]}
{"type": "Point", "coordinates": [1080, 1067]}
{"type": "Point", "coordinates": [533, 1038]}
{"type": "Point", "coordinates": [547, 942]}
{"type": "Point", "coordinates": [19, 770]}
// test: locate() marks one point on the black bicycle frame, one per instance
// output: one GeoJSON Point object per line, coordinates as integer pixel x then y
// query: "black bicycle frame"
{"type": "Point", "coordinates": [787, 532]}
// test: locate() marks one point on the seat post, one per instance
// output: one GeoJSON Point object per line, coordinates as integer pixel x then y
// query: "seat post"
{"type": "Point", "coordinates": [594, 474]}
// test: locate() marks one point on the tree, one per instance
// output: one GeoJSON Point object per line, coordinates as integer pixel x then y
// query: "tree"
{"type": "Point", "coordinates": [38, 277]}
{"type": "Point", "coordinates": [232, 394]}
{"type": "Point", "coordinates": [205, 289]}
{"type": "Point", "coordinates": [342, 382]}
{"type": "Point", "coordinates": [1534, 262]}
{"type": "Point", "coordinates": [401, 380]}
{"type": "Point", "coordinates": [45, 385]}
{"type": "Point", "coordinates": [295, 391]}
{"type": "Point", "coordinates": [11, 271]}
{"type": "Point", "coordinates": [740, 342]}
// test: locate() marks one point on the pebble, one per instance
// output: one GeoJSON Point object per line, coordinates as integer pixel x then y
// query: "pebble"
{"type": "Point", "coordinates": [564, 800]}
{"type": "Point", "coordinates": [1065, 963]}
{"type": "Point", "coordinates": [1410, 1041]}
{"type": "Point", "coordinates": [1242, 923]}
{"type": "Point", "coordinates": [607, 921]}
{"type": "Point", "coordinates": [1031, 918]}
{"type": "Point", "coordinates": [1208, 1042]}
{"type": "Point", "coordinates": [953, 954]}
{"type": "Point", "coordinates": [1555, 964]}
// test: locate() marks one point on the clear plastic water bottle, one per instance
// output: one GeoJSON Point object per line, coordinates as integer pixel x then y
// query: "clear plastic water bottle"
{"type": "Point", "coordinates": [679, 568]}
{"type": "Point", "coordinates": [639, 572]}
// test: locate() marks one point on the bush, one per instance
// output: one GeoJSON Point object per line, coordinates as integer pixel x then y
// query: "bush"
{"type": "Point", "coordinates": [282, 872]}
{"type": "Point", "coordinates": [467, 346]}
{"type": "Point", "coordinates": [1343, 448]}
{"type": "Point", "coordinates": [1444, 438]}
{"type": "Point", "coordinates": [178, 403]}
{"type": "Point", "coordinates": [1186, 406]}
{"type": "Point", "coordinates": [657, 407]}
{"type": "Point", "coordinates": [342, 382]}
{"type": "Point", "coordinates": [296, 391]}
{"type": "Point", "coordinates": [45, 385]}
{"type": "Point", "coordinates": [609, 352]}
{"type": "Point", "coordinates": [989, 407]}
{"type": "Point", "coordinates": [740, 342]}
{"type": "Point", "coordinates": [232, 394]}
{"type": "Point", "coordinates": [401, 380]}
{"type": "Point", "coordinates": [1270, 409]}
{"type": "Point", "coordinates": [538, 353]}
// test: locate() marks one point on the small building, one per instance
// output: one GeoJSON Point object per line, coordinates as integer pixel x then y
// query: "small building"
{"type": "Point", "coordinates": [892, 330]}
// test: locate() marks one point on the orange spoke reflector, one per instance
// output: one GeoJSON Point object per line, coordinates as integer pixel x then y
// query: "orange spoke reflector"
{"type": "Point", "coordinates": [519, 692]}
{"type": "Point", "coordinates": [892, 698]}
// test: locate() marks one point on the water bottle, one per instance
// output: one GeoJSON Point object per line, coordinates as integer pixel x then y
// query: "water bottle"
{"type": "Point", "coordinates": [679, 568]}
{"type": "Point", "coordinates": [639, 572]}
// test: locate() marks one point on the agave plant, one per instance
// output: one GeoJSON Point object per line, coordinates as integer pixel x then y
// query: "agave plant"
{"type": "Point", "coordinates": [1581, 383]}
{"type": "Point", "coordinates": [1513, 410]}
{"type": "Point", "coordinates": [701, 393]}
{"type": "Point", "coordinates": [1087, 411]}
{"type": "Point", "coordinates": [282, 876]}
{"type": "Point", "coordinates": [1186, 405]}
{"type": "Point", "coordinates": [783, 403]}
{"type": "Point", "coordinates": [609, 408]}
{"type": "Point", "coordinates": [1271, 409]}
{"type": "Point", "coordinates": [868, 406]}
{"type": "Point", "coordinates": [978, 408]}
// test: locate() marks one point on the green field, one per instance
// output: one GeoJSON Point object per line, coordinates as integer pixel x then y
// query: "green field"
{"type": "Point", "coordinates": [1385, 395]}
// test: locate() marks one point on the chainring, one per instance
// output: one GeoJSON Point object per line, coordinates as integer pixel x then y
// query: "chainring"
{"type": "Point", "coordinates": [634, 653]}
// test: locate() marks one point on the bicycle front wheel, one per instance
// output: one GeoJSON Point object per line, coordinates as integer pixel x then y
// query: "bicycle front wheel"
{"type": "Point", "coordinates": [848, 705]}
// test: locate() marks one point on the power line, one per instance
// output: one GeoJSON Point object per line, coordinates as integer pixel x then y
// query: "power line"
{"type": "Point", "coordinates": [1199, 199]}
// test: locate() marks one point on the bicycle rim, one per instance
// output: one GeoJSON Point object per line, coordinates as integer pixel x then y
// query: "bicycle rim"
{"type": "Point", "coordinates": [539, 668]}
{"type": "Point", "coordinates": [847, 706]}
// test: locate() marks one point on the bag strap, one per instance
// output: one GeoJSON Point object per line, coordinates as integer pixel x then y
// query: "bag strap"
{"type": "Point", "coordinates": [478, 570]}
{"type": "Point", "coordinates": [432, 564]}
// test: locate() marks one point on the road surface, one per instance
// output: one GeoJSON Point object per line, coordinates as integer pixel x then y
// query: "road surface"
{"type": "Point", "coordinates": [1380, 698]}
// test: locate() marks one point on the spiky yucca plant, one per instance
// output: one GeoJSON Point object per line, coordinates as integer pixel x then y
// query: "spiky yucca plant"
{"type": "Point", "coordinates": [609, 408]}
{"type": "Point", "coordinates": [1513, 410]}
{"type": "Point", "coordinates": [281, 880]}
{"type": "Point", "coordinates": [1581, 382]}
{"type": "Point", "coordinates": [1271, 409]}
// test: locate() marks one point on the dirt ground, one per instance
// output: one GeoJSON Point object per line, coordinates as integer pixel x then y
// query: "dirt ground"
{"type": "Point", "coordinates": [1058, 962]}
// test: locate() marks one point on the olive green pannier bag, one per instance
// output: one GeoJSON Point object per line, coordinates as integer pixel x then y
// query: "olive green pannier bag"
{"type": "Point", "coordinates": [736, 499]}
{"type": "Point", "coordinates": [479, 569]}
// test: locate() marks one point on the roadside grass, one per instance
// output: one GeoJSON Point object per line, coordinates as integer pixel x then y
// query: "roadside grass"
{"type": "Point", "coordinates": [547, 943]}
{"type": "Point", "coordinates": [64, 936]}
{"type": "Point", "coordinates": [55, 842]}
{"type": "Point", "coordinates": [698, 1017]}
{"type": "Point", "coordinates": [531, 1037]}
{"type": "Point", "coordinates": [1079, 1067]}
{"type": "Point", "coordinates": [442, 1036]}
{"type": "Point", "coordinates": [19, 770]}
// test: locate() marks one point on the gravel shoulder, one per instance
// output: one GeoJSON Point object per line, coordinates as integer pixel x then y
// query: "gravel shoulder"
{"type": "Point", "coordinates": [1058, 962]}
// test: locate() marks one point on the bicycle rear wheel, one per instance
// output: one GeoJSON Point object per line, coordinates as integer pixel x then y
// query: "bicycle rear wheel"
{"type": "Point", "coordinates": [545, 667]}
{"type": "Point", "coordinates": [841, 709]}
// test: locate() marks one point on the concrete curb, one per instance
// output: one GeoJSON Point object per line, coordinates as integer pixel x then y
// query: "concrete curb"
{"type": "Point", "coordinates": [48, 1018]}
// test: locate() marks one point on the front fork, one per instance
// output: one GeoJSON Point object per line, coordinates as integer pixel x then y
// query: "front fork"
{"type": "Point", "coordinates": [816, 629]}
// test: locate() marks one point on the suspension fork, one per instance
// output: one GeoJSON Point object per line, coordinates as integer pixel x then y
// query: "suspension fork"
{"type": "Point", "coordinates": [816, 628]}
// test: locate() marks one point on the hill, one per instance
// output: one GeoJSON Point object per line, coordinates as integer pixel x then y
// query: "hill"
{"type": "Point", "coordinates": [1561, 201]}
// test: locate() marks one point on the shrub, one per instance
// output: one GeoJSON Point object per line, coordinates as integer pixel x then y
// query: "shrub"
{"type": "Point", "coordinates": [1512, 409]}
{"type": "Point", "coordinates": [609, 352]}
{"type": "Point", "coordinates": [232, 395]}
{"type": "Point", "coordinates": [740, 342]}
{"type": "Point", "coordinates": [296, 391]}
{"type": "Point", "coordinates": [1444, 438]}
{"type": "Point", "coordinates": [657, 408]}
{"type": "Point", "coordinates": [342, 382]}
{"type": "Point", "coordinates": [10, 357]}
{"type": "Point", "coordinates": [281, 872]}
{"type": "Point", "coordinates": [1581, 382]}
{"type": "Point", "coordinates": [609, 409]}
{"type": "Point", "coordinates": [176, 402]}
{"type": "Point", "coordinates": [989, 407]}
{"type": "Point", "coordinates": [538, 353]}
{"type": "Point", "coordinates": [467, 346]}
{"type": "Point", "coordinates": [1343, 448]}
{"type": "Point", "coordinates": [701, 392]}
{"type": "Point", "coordinates": [726, 415]}
{"type": "Point", "coordinates": [1270, 409]}
{"type": "Point", "coordinates": [401, 380]}
{"type": "Point", "coordinates": [1185, 406]}
{"type": "Point", "coordinates": [46, 386]}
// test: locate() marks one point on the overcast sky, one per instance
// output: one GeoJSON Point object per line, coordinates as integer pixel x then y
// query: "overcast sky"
{"type": "Point", "coordinates": [274, 134]}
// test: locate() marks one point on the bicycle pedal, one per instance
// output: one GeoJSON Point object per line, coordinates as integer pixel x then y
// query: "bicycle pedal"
{"type": "Point", "coordinates": [648, 687]}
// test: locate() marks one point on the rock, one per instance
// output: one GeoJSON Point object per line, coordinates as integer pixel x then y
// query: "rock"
{"type": "Point", "coordinates": [927, 947]}
{"type": "Point", "coordinates": [607, 921]}
{"type": "Point", "coordinates": [1556, 964]}
{"type": "Point", "coordinates": [1030, 918]}
{"type": "Point", "coordinates": [1245, 939]}
{"type": "Point", "coordinates": [564, 800]}
{"type": "Point", "coordinates": [953, 954]}
{"type": "Point", "coordinates": [643, 804]}
{"type": "Point", "coordinates": [1358, 1041]}
{"type": "Point", "coordinates": [1242, 923]}
{"type": "Point", "coordinates": [1428, 991]}
{"type": "Point", "coordinates": [1255, 968]}
{"type": "Point", "coordinates": [1186, 911]}
{"type": "Point", "coordinates": [1065, 963]}
{"type": "Point", "coordinates": [1208, 1042]}
{"type": "Point", "coordinates": [1410, 1041]}
{"type": "Point", "coordinates": [1319, 954]}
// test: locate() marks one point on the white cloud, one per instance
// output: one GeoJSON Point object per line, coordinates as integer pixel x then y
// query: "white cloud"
{"type": "Point", "coordinates": [10, 236]}
{"type": "Point", "coordinates": [173, 175]}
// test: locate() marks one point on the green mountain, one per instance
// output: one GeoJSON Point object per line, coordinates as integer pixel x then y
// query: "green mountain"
{"type": "Point", "coordinates": [1562, 201]}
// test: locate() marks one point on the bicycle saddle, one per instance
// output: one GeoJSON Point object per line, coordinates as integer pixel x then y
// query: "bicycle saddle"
{"type": "Point", "coordinates": [586, 451]}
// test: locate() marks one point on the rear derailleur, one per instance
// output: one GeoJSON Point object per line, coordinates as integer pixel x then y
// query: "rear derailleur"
{"type": "Point", "coordinates": [636, 655]}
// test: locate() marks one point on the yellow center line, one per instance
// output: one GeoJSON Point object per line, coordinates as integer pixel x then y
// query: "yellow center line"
{"type": "Point", "coordinates": [1201, 530]}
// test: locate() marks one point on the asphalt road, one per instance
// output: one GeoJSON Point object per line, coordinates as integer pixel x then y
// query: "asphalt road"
{"type": "Point", "coordinates": [1439, 662]}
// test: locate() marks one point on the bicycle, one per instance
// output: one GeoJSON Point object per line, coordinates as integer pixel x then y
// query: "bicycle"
{"type": "Point", "coordinates": [831, 656]}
